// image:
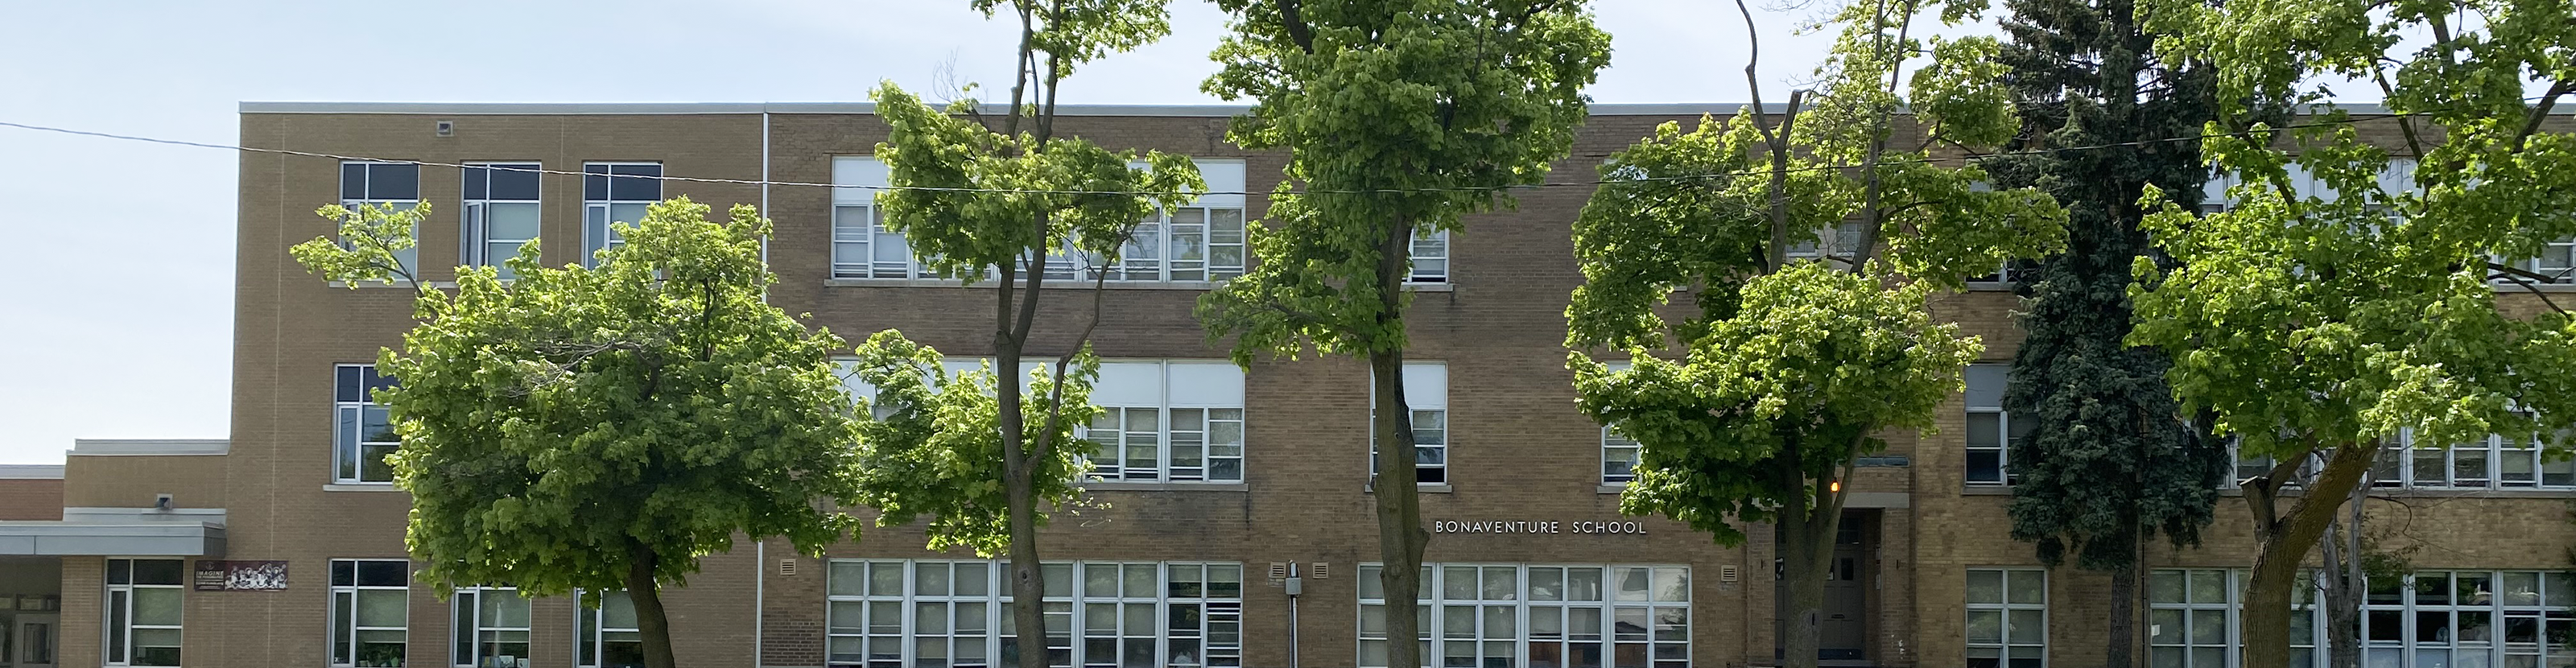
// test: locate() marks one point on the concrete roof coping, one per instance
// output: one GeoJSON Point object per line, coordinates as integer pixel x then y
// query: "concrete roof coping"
{"type": "Point", "coordinates": [153, 446]}
{"type": "Point", "coordinates": [1167, 110]}
{"type": "Point", "coordinates": [31, 471]}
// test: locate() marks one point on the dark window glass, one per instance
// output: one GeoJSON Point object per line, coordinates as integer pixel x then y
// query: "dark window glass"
{"type": "Point", "coordinates": [383, 573]}
{"type": "Point", "coordinates": [343, 573]}
{"type": "Point", "coordinates": [475, 177]}
{"type": "Point", "coordinates": [391, 181]}
{"type": "Point", "coordinates": [635, 189]}
{"type": "Point", "coordinates": [377, 381]}
{"type": "Point", "coordinates": [157, 572]}
{"type": "Point", "coordinates": [594, 188]}
{"type": "Point", "coordinates": [352, 385]}
{"type": "Point", "coordinates": [353, 180]}
{"type": "Point", "coordinates": [514, 181]}
{"type": "Point", "coordinates": [120, 571]}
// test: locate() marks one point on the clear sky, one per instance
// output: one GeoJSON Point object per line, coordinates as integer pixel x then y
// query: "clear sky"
{"type": "Point", "coordinates": [116, 321]}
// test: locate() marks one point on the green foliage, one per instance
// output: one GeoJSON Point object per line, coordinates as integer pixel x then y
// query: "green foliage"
{"type": "Point", "coordinates": [979, 203]}
{"type": "Point", "coordinates": [2108, 462]}
{"type": "Point", "coordinates": [933, 443]}
{"type": "Point", "coordinates": [556, 424]}
{"type": "Point", "coordinates": [1399, 117]}
{"type": "Point", "coordinates": [1761, 409]}
{"type": "Point", "coordinates": [374, 238]}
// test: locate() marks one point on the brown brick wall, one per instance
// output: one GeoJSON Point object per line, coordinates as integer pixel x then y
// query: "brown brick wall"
{"type": "Point", "coordinates": [1520, 450]}
{"type": "Point", "coordinates": [31, 499]}
{"type": "Point", "coordinates": [134, 481]}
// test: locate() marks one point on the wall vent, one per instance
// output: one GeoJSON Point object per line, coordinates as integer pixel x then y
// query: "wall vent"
{"type": "Point", "coordinates": [1728, 573]}
{"type": "Point", "coordinates": [1321, 570]}
{"type": "Point", "coordinates": [446, 128]}
{"type": "Point", "coordinates": [787, 567]}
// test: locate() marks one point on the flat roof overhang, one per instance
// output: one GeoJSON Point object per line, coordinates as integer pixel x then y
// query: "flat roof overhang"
{"type": "Point", "coordinates": [98, 539]}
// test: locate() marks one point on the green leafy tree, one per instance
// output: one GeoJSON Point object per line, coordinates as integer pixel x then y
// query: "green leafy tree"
{"type": "Point", "coordinates": [988, 458]}
{"type": "Point", "coordinates": [2108, 463]}
{"type": "Point", "coordinates": [1400, 118]}
{"type": "Point", "coordinates": [1802, 350]}
{"type": "Point", "coordinates": [2321, 321]}
{"type": "Point", "coordinates": [602, 429]}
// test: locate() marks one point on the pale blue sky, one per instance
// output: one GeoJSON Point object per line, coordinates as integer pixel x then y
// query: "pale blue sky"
{"type": "Point", "coordinates": [119, 307]}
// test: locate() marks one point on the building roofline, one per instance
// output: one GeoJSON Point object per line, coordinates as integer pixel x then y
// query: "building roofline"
{"type": "Point", "coordinates": [1165, 110]}
{"type": "Point", "coordinates": [31, 471]}
{"type": "Point", "coordinates": [149, 446]}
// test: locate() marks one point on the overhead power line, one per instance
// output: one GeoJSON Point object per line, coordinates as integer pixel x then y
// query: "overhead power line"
{"type": "Point", "coordinates": [1377, 191]}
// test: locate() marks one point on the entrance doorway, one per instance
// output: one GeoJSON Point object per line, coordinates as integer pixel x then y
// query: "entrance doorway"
{"type": "Point", "coordinates": [33, 641]}
{"type": "Point", "coordinates": [1844, 630]}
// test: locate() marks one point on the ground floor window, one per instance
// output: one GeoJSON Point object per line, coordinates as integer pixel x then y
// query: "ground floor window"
{"type": "Point", "coordinates": [2430, 619]}
{"type": "Point", "coordinates": [2007, 618]}
{"type": "Point", "coordinates": [143, 609]}
{"type": "Point", "coordinates": [370, 612]}
{"type": "Point", "coordinates": [1540, 616]}
{"type": "Point", "coordinates": [957, 614]}
{"type": "Point", "coordinates": [610, 637]}
{"type": "Point", "coordinates": [491, 628]}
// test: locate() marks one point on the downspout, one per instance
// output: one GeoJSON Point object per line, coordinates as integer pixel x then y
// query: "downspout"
{"type": "Point", "coordinates": [1296, 585]}
{"type": "Point", "coordinates": [760, 554]}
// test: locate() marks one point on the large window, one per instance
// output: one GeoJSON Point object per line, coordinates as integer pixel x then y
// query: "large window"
{"type": "Point", "coordinates": [610, 636]}
{"type": "Point", "coordinates": [394, 184]}
{"type": "Point", "coordinates": [2431, 619]}
{"type": "Point", "coordinates": [1837, 242]}
{"type": "Point", "coordinates": [1540, 616]}
{"type": "Point", "coordinates": [2191, 619]}
{"type": "Point", "coordinates": [370, 612]}
{"type": "Point", "coordinates": [501, 212]}
{"type": "Point", "coordinates": [363, 434]}
{"type": "Point", "coordinates": [1426, 393]}
{"type": "Point", "coordinates": [614, 192]}
{"type": "Point", "coordinates": [1991, 431]}
{"type": "Point", "coordinates": [491, 628]}
{"type": "Point", "coordinates": [1618, 457]}
{"type": "Point", "coordinates": [1202, 241]}
{"type": "Point", "coordinates": [1430, 255]}
{"type": "Point", "coordinates": [143, 609]}
{"type": "Point", "coordinates": [1176, 421]}
{"type": "Point", "coordinates": [956, 614]}
{"type": "Point", "coordinates": [2007, 618]}
{"type": "Point", "coordinates": [2493, 462]}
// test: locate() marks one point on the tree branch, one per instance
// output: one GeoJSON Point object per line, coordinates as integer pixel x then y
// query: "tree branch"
{"type": "Point", "coordinates": [2522, 277]}
{"type": "Point", "coordinates": [1292, 17]}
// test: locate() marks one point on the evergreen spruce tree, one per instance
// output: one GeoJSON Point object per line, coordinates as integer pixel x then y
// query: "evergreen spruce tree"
{"type": "Point", "coordinates": [2107, 463]}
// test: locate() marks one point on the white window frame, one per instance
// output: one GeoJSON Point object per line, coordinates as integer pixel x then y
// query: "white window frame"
{"type": "Point", "coordinates": [1844, 236]}
{"type": "Point", "coordinates": [479, 246]}
{"type": "Point", "coordinates": [2407, 464]}
{"type": "Point", "coordinates": [349, 440]}
{"type": "Point", "coordinates": [345, 643]}
{"type": "Point", "coordinates": [891, 606]}
{"type": "Point", "coordinates": [1210, 393]}
{"type": "Point", "coordinates": [2011, 641]}
{"type": "Point", "coordinates": [599, 210]}
{"type": "Point", "coordinates": [1430, 246]}
{"type": "Point", "coordinates": [857, 223]}
{"type": "Point", "coordinates": [1617, 450]}
{"type": "Point", "coordinates": [592, 624]}
{"type": "Point", "coordinates": [465, 636]}
{"type": "Point", "coordinates": [1164, 239]}
{"type": "Point", "coordinates": [409, 258]}
{"type": "Point", "coordinates": [2005, 430]}
{"type": "Point", "coordinates": [2550, 602]}
{"type": "Point", "coordinates": [119, 645]}
{"type": "Point", "coordinates": [1503, 618]}
{"type": "Point", "coordinates": [1426, 394]}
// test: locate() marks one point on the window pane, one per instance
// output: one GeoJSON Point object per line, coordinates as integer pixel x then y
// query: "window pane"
{"type": "Point", "coordinates": [1985, 587]}
{"type": "Point", "coordinates": [382, 608]}
{"type": "Point", "coordinates": [158, 572]}
{"type": "Point", "coordinates": [383, 573]}
{"type": "Point", "coordinates": [2027, 586]}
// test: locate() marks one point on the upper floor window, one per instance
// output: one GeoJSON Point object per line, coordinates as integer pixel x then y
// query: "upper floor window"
{"type": "Point", "coordinates": [364, 433]}
{"type": "Point", "coordinates": [143, 606]}
{"type": "Point", "coordinates": [1203, 241]}
{"type": "Point", "coordinates": [1430, 256]}
{"type": "Point", "coordinates": [491, 628]}
{"type": "Point", "coordinates": [370, 612]}
{"type": "Point", "coordinates": [1836, 242]}
{"type": "Point", "coordinates": [395, 184]}
{"type": "Point", "coordinates": [2007, 618]}
{"type": "Point", "coordinates": [1991, 430]}
{"type": "Point", "coordinates": [501, 212]}
{"type": "Point", "coordinates": [1426, 393]}
{"type": "Point", "coordinates": [862, 247]}
{"type": "Point", "coordinates": [614, 192]}
{"type": "Point", "coordinates": [1618, 457]}
{"type": "Point", "coordinates": [1176, 421]}
{"type": "Point", "coordinates": [610, 635]}
{"type": "Point", "coordinates": [2493, 462]}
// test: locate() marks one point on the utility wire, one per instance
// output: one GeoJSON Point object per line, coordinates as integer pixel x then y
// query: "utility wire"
{"type": "Point", "coordinates": [1031, 191]}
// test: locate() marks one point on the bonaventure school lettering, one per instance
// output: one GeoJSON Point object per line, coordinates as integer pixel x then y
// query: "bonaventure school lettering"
{"type": "Point", "coordinates": [1535, 526]}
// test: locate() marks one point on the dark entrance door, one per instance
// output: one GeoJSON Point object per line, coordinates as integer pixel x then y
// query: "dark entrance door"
{"type": "Point", "coordinates": [1845, 628]}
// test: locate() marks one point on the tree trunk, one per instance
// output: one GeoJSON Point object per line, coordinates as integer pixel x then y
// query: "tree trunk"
{"type": "Point", "coordinates": [1807, 528]}
{"type": "Point", "coordinates": [645, 590]}
{"type": "Point", "coordinates": [1028, 579]}
{"type": "Point", "coordinates": [2121, 650]}
{"type": "Point", "coordinates": [2286, 543]}
{"type": "Point", "coordinates": [1400, 537]}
